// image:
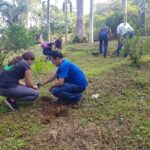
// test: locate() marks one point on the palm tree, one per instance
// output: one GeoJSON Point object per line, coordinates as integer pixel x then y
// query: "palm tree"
{"type": "Point", "coordinates": [66, 4]}
{"type": "Point", "coordinates": [11, 13]}
{"type": "Point", "coordinates": [79, 21]}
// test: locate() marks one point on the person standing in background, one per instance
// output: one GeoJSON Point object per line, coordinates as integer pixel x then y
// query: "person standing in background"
{"type": "Point", "coordinates": [124, 31]}
{"type": "Point", "coordinates": [104, 34]}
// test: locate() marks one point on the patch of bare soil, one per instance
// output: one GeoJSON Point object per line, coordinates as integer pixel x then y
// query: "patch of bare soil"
{"type": "Point", "coordinates": [64, 134]}
{"type": "Point", "coordinates": [51, 109]}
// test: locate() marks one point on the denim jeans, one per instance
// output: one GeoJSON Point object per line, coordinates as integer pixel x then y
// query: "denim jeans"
{"type": "Point", "coordinates": [120, 44]}
{"type": "Point", "coordinates": [103, 43]}
{"type": "Point", "coordinates": [68, 92]}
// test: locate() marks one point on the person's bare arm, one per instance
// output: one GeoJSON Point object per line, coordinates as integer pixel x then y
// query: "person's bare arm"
{"type": "Point", "coordinates": [119, 37]}
{"type": "Point", "coordinates": [50, 79]}
{"type": "Point", "coordinates": [21, 83]}
{"type": "Point", "coordinates": [59, 82]}
{"type": "Point", "coordinates": [28, 79]}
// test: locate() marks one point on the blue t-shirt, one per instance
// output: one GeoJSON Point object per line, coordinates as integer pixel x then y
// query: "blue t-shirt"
{"type": "Point", "coordinates": [10, 75]}
{"type": "Point", "coordinates": [71, 73]}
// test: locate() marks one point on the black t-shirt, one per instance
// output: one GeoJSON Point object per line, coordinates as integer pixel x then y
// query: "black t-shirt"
{"type": "Point", "coordinates": [10, 75]}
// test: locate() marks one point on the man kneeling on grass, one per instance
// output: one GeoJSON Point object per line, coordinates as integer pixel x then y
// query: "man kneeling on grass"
{"type": "Point", "coordinates": [71, 81]}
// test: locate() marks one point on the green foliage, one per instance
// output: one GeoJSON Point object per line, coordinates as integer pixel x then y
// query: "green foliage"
{"type": "Point", "coordinates": [11, 13]}
{"type": "Point", "coordinates": [18, 38]}
{"type": "Point", "coordinates": [41, 66]}
{"type": "Point", "coordinates": [146, 46]}
{"type": "Point", "coordinates": [14, 38]}
{"type": "Point", "coordinates": [58, 22]}
{"type": "Point", "coordinates": [134, 46]}
{"type": "Point", "coordinates": [76, 39]}
{"type": "Point", "coordinates": [111, 15]}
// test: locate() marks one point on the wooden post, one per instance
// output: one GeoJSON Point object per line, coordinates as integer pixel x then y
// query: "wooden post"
{"type": "Point", "coordinates": [48, 19]}
{"type": "Point", "coordinates": [142, 14]}
{"type": "Point", "coordinates": [124, 9]}
{"type": "Point", "coordinates": [91, 20]}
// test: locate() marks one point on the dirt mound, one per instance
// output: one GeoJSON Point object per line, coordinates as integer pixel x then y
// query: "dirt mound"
{"type": "Point", "coordinates": [51, 110]}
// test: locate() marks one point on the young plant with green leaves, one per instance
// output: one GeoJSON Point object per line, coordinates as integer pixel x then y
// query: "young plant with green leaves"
{"type": "Point", "coordinates": [135, 48]}
{"type": "Point", "coordinates": [12, 39]}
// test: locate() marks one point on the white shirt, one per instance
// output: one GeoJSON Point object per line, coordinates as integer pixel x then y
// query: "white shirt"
{"type": "Point", "coordinates": [129, 28]}
{"type": "Point", "coordinates": [124, 28]}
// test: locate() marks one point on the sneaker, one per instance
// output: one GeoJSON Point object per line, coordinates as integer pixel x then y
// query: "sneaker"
{"type": "Point", "coordinates": [78, 103]}
{"type": "Point", "coordinates": [11, 103]}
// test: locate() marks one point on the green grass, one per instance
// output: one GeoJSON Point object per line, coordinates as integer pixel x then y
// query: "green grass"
{"type": "Point", "coordinates": [117, 119]}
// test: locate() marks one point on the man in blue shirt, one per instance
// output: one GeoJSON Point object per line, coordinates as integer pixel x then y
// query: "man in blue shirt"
{"type": "Point", "coordinates": [71, 81]}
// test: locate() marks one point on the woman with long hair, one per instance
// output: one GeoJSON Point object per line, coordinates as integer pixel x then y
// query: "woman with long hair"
{"type": "Point", "coordinates": [10, 87]}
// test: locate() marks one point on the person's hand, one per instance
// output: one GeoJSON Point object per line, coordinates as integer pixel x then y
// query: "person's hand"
{"type": "Point", "coordinates": [39, 85]}
{"type": "Point", "coordinates": [35, 87]}
{"type": "Point", "coordinates": [50, 89]}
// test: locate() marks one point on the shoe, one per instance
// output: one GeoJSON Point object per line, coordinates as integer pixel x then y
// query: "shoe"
{"type": "Point", "coordinates": [11, 103]}
{"type": "Point", "coordinates": [78, 103]}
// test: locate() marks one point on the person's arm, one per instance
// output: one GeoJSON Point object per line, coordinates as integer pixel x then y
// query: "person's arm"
{"type": "Point", "coordinates": [21, 83]}
{"type": "Point", "coordinates": [50, 79]}
{"type": "Point", "coordinates": [59, 82]}
{"type": "Point", "coordinates": [28, 79]}
{"type": "Point", "coordinates": [119, 37]}
{"type": "Point", "coordinates": [109, 33]}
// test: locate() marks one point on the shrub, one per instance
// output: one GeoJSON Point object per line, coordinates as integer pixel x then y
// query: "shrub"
{"type": "Point", "coordinates": [135, 48]}
{"type": "Point", "coordinates": [12, 39]}
{"type": "Point", "coordinates": [76, 39]}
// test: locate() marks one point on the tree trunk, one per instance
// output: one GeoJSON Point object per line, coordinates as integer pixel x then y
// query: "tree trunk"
{"type": "Point", "coordinates": [66, 22]}
{"type": "Point", "coordinates": [142, 14]}
{"type": "Point", "coordinates": [124, 9]}
{"type": "Point", "coordinates": [91, 20]}
{"type": "Point", "coordinates": [48, 19]}
{"type": "Point", "coordinates": [79, 21]}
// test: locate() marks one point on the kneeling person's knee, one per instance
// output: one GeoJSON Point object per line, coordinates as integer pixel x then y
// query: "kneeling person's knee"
{"type": "Point", "coordinates": [35, 95]}
{"type": "Point", "coordinates": [55, 91]}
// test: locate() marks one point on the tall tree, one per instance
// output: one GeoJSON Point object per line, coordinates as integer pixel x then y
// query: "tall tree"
{"type": "Point", "coordinates": [91, 20]}
{"type": "Point", "coordinates": [48, 19]}
{"type": "Point", "coordinates": [67, 5]}
{"type": "Point", "coordinates": [142, 14]}
{"type": "Point", "coordinates": [124, 9]}
{"type": "Point", "coordinates": [11, 13]}
{"type": "Point", "coordinates": [79, 21]}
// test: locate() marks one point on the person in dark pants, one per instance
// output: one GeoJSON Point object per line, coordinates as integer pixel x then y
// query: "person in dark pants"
{"type": "Point", "coordinates": [124, 31]}
{"type": "Point", "coordinates": [10, 87]}
{"type": "Point", "coordinates": [48, 47]}
{"type": "Point", "coordinates": [71, 81]}
{"type": "Point", "coordinates": [103, 40]}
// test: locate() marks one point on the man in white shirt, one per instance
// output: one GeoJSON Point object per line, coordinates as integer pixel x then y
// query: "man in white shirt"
{"type": "Point", "coordinates": [124, 30]}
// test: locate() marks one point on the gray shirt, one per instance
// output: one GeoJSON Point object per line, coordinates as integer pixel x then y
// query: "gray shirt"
{"type": "Point", "coordinates": [10, 75]}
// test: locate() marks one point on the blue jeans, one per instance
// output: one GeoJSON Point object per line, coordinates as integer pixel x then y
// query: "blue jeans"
{"type": "Point", "coordinates": [131, 34]}
{"type": "Point", "coordinates": [68, 92]}
{"type": "Point", "coordinates": [103, 43]}
{"type": "Point", "coordinates": [120, 44]}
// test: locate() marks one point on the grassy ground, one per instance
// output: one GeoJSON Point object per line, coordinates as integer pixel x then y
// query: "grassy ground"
{"type": "Point", "coordinates": [118, 119]}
